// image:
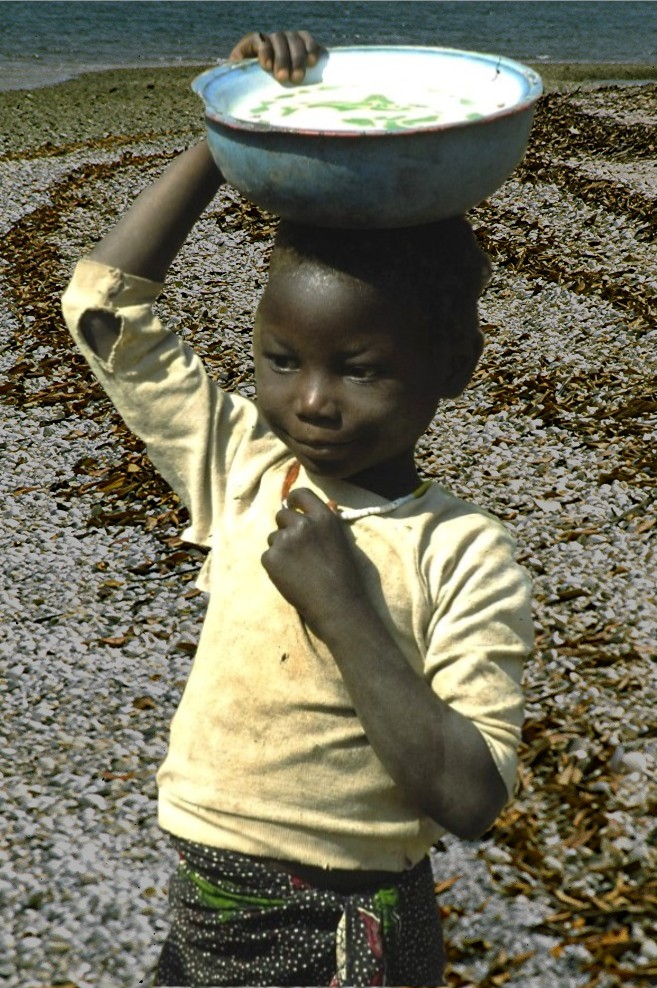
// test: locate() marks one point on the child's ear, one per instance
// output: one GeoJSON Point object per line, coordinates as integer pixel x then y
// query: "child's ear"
{"type": "Point", "coordinates": [462, 363]}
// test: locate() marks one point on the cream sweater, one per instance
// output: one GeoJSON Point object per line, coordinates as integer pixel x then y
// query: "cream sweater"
{"type": "Point", "coordinates": [266, 754]}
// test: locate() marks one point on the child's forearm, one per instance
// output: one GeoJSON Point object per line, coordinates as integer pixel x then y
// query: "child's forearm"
{"type": "Point", "coordinates": [435, 754]}
{"type": "Point", "coordinates": [150, 234]}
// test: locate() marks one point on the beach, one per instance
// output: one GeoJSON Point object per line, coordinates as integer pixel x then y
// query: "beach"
{"type": "Point", "coordinates": [138, 101]}
{"type": "Point", "coordinates": [556, 435]}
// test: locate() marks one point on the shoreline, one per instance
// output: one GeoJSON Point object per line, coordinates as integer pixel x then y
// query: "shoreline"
{"type": "Point", "coordinates": [157, 99]}
{"type": "Point", "coordinates": [559, 75]}
{"type": "Point", "coordinates": [553, 72]}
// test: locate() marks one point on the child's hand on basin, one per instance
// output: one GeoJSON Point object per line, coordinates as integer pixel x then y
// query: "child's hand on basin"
{"type": "Point", "coordinates": [286, 54]}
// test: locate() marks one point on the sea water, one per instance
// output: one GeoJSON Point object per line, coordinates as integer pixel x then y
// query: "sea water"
{"type": "Point", "coordinates": [43, 43]}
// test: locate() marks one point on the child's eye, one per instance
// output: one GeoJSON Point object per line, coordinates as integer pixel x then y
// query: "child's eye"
{"type": "Point", "coordinates": [362, 372]}
{"type": "Point", "coordinates": [282, 362]}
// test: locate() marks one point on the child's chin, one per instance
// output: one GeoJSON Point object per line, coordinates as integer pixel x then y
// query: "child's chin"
{"type": "Point", "coordinates": [324, 468]}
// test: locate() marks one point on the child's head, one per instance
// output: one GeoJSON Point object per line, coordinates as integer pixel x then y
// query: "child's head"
{"type": "Point", "coordinates": [359, 334]}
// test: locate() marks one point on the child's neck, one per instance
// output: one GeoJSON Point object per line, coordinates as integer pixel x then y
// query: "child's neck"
{"type": "Point", "coordinates": [391, 479]}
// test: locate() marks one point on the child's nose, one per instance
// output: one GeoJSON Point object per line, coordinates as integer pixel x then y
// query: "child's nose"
{"type": "Point", "coordinates": [316, 399]}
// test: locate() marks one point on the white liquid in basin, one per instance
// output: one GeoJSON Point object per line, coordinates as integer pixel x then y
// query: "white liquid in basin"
{"type": "Point", "coordinates": [326, 107]}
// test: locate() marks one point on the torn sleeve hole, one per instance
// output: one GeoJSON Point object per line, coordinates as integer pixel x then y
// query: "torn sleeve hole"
{"type": "Point", "coordinates": [100, 329]}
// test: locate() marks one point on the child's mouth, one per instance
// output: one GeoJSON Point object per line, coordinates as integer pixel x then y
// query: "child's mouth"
{"type": "Point", "coordinates": [321, 448]}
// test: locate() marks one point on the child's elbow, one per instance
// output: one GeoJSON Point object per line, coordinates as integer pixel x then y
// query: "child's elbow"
{"type": "Point", "coordinates": [471, 814]}
{"type": "Point", "coordinates": [475, 827]}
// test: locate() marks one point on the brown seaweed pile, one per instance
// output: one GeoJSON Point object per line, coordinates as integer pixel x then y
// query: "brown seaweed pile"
{"type": "Point", "coordinates": [569, 381]}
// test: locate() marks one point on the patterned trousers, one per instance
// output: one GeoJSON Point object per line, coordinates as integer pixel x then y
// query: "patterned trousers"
{"type": "Point", "coordinates": [237, 921]}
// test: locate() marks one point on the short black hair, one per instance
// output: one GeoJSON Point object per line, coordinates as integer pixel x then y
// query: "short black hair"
{"type": "Point", "coordinates": [437, 270]}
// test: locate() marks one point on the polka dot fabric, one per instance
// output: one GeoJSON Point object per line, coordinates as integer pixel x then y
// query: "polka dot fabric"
{"type": "Point", "coordinates": [237, 921]}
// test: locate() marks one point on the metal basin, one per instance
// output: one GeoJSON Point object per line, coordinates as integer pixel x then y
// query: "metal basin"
{"type": "Point", "coordinates": [377, 136]}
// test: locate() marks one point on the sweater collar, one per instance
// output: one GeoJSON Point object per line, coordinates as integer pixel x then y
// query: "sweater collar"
{"type": "Point", "coordinates": [354, 502]}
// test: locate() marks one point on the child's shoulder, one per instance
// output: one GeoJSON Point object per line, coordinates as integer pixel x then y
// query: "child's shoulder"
{"type": "Point", "coordinates": [460, 536]}
{"type": "Point", "coordinates": [467, 563]}
{"type": "Point", "coordinates": [449, 509]}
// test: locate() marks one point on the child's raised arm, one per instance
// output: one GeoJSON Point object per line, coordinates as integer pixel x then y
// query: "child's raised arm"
{"type": "Point", "coordinates": [150, 234]}
{"type": "Point", "coordinates": [148, 237]}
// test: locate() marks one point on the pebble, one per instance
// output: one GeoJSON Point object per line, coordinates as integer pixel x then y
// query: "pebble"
{"type": "Point", "coordinates": [634, 761]}
{"type": "Point", "coordinates": [649, 950]}
{"type": "Point", "coordinates": [88, 868]}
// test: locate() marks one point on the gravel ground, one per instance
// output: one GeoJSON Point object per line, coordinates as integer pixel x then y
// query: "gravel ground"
{"type": "Point", "coordinates": [98, 608]}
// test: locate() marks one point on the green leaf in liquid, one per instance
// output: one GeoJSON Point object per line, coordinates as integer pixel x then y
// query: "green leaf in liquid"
{"type": "Point", "coordinates": [414, 121]}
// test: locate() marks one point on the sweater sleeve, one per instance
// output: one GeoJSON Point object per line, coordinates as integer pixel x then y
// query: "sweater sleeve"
{"type": "Point", "coordinates": [159, 385]}
{"type": "Point", "coordinates": [481, 633]}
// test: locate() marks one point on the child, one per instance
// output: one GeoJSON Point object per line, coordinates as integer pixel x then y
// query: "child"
{"type": "Point", "coordinates": [355, 689]}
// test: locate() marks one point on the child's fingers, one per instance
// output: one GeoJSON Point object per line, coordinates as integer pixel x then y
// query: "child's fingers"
{"type": "Point", "coordinates": [301, 508]}
{"type": "Point", "coordinates": [265, 52]}
{"type": "Point", "coordinates": [271, 50]}
{"type": "Point", "coordinates": [286, 519]}
{"type": "Point", "coordinates": [246, 47]}
{"type": "Point", "coordinates": [287, 54]}
{"type": "Point", "coordinates": [313, 49]}
{"type": "Point", "coordinates": [306, 501]}
{"type": "Point", "coordinates": [293, 52]}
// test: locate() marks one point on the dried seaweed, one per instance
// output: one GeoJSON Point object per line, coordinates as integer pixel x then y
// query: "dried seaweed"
{"type": "Point", "coordinates": [569, 789]}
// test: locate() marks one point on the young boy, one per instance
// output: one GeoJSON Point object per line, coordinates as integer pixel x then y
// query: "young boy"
{"type": "Point", "coordinates": [355, 691]}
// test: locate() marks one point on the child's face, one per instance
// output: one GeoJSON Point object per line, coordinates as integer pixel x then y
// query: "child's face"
{"type": "Point", "coordinates": [342, 380]}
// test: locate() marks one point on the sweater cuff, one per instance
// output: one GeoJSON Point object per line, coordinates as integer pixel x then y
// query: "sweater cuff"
{"type": "Point", "coordinates": [103, 285]}
{"type": "Point", "coordinates": [111, 293]}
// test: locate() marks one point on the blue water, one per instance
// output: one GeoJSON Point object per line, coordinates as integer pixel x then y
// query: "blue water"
{"type": "Point", "coordinates": [42, 43]}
